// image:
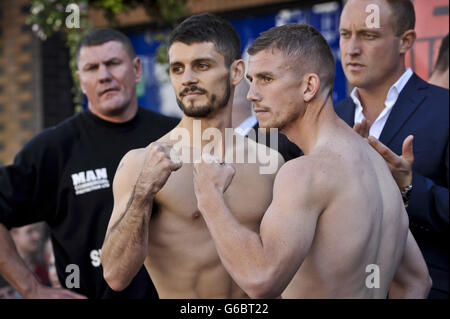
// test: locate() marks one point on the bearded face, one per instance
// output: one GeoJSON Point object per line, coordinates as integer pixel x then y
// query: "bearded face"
{"type": "Point", "coordinates": [197, 107]}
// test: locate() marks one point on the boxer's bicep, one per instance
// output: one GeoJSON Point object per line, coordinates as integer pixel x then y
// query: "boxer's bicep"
{"type": "Point", "coordinates": [289, 225]}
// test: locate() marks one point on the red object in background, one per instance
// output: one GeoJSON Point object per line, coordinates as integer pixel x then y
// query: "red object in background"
{"type": "Point", "coordinates": [41, 270]}
{"type": "Point", "coordinates": [431, 26]}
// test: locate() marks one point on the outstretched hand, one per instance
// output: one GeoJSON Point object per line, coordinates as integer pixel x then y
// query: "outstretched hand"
{"type": "Point", "coordinates": [400, 166]}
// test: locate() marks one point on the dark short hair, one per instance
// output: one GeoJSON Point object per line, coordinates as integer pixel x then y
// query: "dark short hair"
{"type": "Point", "coordinates": [208, 27]}
{"type": "Point", "coordinates": [103, 35]}
{"type": "Point", "coordinates": [304, 45]}
{"type": "Point", "coordinates": [442, 60]}
{"type": "Point", "coordinates": [403, 15]}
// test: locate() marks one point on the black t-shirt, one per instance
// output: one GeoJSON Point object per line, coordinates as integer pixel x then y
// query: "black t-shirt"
{"type": "Point", "coordinates": [286, 148]}
{"type": "Point", "coordinates": [64, 176]}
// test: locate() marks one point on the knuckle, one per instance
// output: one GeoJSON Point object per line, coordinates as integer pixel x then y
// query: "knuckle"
{"type": "Point", "coordinates": [165, 164]}
{"type": "Point", "coordinates": [397, 163]}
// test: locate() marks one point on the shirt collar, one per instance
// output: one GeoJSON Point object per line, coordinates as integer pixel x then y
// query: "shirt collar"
{"type": "Point", "coordinates": [392, 95]}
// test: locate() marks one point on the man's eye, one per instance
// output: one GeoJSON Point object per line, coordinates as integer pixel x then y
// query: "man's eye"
{"type": "Point", "coordinates": [344, 34]}
{"type": "Point", "coordinates": [203, 66]}
{"type": "Point", "coordinates": [267, 79]}
{"type": "Point", "coordinates": [176, 69]}
{"type": "Point", "coordinates": [370, 36]}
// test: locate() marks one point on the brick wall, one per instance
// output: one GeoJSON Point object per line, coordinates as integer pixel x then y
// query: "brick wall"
{"type": "Point", "coordinates": [20, 107]}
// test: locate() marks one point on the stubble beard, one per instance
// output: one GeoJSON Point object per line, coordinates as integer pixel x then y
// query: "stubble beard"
{"type": "Point", "coordinates": [204, 111]}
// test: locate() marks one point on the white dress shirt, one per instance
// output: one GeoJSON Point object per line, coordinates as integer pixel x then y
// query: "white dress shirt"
{"type": "Point", "coordinates": [246, 126]}
{"type": "Point", "coordinates": [392, 96]}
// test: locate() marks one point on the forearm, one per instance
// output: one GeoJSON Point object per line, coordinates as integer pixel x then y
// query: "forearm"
{"type": "Point", "coordinates": [126, 242]}
{"type": "Point", "coordinates": [399, 291]}
{"type": "Point", "coordinates": [412, 279]}
{"type": "Point", "coordinates": [240, 249]}
{"type": "Point", "coordinates": [13, 268]}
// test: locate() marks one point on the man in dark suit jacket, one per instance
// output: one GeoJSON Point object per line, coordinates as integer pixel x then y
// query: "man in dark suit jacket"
{"type": "Point", "coordinates": [398, 104]}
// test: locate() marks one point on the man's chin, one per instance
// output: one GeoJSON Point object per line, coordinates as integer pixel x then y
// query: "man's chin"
{"type": "Point", "coordinates": [197, 111]}
{"type": "Point", "coordinates": [113, 108]}
{"type": "Point", "coordinates": [356, 81]}
{"type": "Point", "coordinates": [265, 126]}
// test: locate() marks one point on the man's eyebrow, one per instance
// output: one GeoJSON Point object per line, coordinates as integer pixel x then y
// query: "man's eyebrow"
{"type": "Point", "coordinates": [260, 75]}
{"type": "Point", "coordinates": [198, 60]}
{"type": "Point", "coordinates": [264, 74]}
{"type": "Point", "coordinates": [175, 63]}
{"type": "Point", "coordinates": [113, 59]}
{"type": "Point", "coordinates": [90, 64]}
{"type": "Point", "coordinates": [362, 30]}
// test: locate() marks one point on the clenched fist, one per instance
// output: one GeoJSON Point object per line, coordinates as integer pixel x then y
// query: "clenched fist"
{"type": "Point", "coordinates": [212, 173]}
{"type": "Point", "coordinates": [160, 161]}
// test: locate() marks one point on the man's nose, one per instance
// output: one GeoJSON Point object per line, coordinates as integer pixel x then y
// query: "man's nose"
{"type": "Point", "coordinates": [104, 75]}
{"type": "Point", "coordinates": [353, 46]}
{"type": "Point", "coordinates": [253, 94]}
{"type": "Point", "coordinates": [189, 77]}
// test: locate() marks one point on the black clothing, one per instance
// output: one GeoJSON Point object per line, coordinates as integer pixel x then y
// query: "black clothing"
{"type": "Point", "coordinates": [64, 176]}
{"type": "Point", "coordinates": [286, 148]}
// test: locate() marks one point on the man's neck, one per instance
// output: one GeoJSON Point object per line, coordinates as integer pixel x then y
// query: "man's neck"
{"type": "Point", "coordinates": [306, 131]}
{"type": "Point", "coordinates": [128, 113]}
{"type": "Point", "coordinates": [196, 127]}
{"type": "Point", "coordinates": [440, 79]}
{"type": "Point", "coordinates": [373, 97]}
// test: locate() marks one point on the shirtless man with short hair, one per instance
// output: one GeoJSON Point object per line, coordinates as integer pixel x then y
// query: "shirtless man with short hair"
{"type": "Point", "coordinates": [155, 220]}
{"type": "Point", "coordinates": [335, 211]}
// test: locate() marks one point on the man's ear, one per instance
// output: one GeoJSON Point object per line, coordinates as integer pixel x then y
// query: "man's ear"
{"type": "Point", "coordinates": [407, 40]}
{"type": "Point", "coordinates": [237, 71]}
{"type": "Point", "coordinates": [137, 66]}
{"type": "Point", "coordinates": [311, 86]}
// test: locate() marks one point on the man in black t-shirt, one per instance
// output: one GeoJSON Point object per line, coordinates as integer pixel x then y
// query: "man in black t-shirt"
{"type": "Point", "coordinates": [63, 176]}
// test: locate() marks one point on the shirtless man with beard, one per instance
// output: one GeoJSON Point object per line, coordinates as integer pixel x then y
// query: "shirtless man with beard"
{"type": "Point", "coordinates": [155, 220]}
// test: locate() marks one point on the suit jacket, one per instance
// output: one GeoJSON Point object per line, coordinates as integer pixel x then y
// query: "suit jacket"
{"type": "Point", "coordinates": [423, 111]}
